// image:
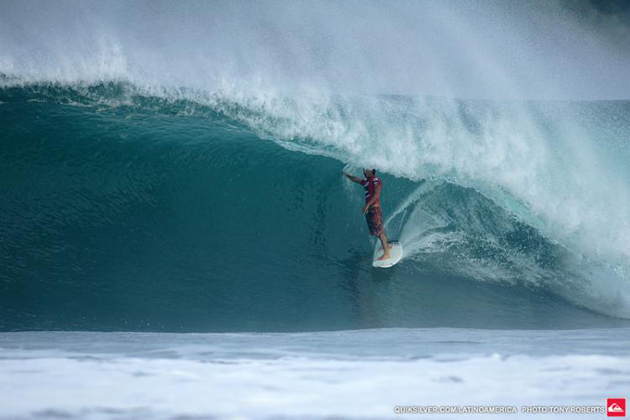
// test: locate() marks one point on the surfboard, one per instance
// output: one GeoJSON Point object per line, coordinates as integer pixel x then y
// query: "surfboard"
{"type": "Point", "coordinates": [395, 253]}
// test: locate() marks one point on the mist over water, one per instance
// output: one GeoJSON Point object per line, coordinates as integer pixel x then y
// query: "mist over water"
{"type": "Point", "coordinates": [482, 49]}
{"type": "Point", "coordinates": [498, 168]}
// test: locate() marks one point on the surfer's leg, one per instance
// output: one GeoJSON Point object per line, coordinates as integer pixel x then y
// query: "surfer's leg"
{"type": "Point", "coordinates": [386, 246]}
{"type": "Point", "coordinates": [375, 222]}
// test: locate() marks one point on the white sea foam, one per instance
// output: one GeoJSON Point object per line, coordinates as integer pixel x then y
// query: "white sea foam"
{"type": "Point", "coordinates": [350, 374]}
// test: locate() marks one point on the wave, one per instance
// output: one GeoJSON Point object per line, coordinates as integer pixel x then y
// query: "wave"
{"type": "Point", "coordinates": [162, 210]}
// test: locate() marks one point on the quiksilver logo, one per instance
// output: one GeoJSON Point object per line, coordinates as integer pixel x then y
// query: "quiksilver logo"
{"type": "Point", "coordinates": [616, 407]}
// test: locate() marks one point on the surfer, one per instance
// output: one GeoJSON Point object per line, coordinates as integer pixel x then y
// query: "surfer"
{"type": "Point", "coordinates": [372, 208]}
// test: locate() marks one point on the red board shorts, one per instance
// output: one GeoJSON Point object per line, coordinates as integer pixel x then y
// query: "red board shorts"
{"type": "Point", "coordinates": [374, 219]}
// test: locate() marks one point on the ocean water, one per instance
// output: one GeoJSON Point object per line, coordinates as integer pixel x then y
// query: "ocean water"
{"type": "Point", "coordinates": [177, 239]}
{"type": "Point", "coordinates": [366, 374]}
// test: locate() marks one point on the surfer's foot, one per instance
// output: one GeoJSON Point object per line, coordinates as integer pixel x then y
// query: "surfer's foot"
{"type": "Point", "coordinates": [385, 256]}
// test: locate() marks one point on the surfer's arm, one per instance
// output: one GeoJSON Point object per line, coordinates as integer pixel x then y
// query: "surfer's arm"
{"type": "Point", "coordinates": [353, 178]}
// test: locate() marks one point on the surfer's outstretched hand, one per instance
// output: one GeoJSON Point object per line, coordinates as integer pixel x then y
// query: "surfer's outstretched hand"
{"type": "Point", "coordinates": [352, 177]}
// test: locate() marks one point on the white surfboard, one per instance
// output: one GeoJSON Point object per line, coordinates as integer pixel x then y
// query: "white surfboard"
{"type": "Point", "coordinates": [395, 255]}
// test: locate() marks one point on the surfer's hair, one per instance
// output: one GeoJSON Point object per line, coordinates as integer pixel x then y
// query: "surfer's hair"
{"type": "Point", "coordinates": [373, 171]}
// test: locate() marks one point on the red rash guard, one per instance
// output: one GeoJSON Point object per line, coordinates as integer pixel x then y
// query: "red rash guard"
{"type": "Point", "coordinates": [370, 189]}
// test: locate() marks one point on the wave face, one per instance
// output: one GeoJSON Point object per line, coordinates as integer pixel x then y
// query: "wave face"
{"type": "Point", "coordinates": [124, 209]}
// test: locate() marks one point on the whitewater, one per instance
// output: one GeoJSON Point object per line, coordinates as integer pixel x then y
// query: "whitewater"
{"type": "Point", "coordinates": [177, 239]}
